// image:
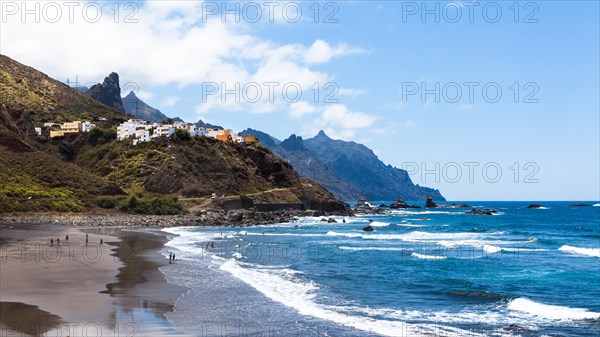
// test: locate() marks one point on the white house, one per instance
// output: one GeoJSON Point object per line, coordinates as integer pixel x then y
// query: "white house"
{"type": "Point", "coordinates": [142, 135]}
{"type": "Point", "coordinates": [212, 133]}
{"type": "Point", "coordinates": [164, 130]}
{"type": "Point", "coordinates": [238, 138]}
{"type": "Point", "coordinates": [86, 126]}
{"type": "Point", "coordinates": [129, 128]}
{"type": "Point", "coordinates": [181, 125]}
{"type": "Point", "coordinates": [199, 132]}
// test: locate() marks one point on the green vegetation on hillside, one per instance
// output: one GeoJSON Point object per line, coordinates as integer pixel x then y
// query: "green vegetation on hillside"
{"type": "Point", "coordinates": [20, 192]}
{"type": "Point", "coordinates": [184, 165]}
{"type": "Point", "coordinates": [141, 202]}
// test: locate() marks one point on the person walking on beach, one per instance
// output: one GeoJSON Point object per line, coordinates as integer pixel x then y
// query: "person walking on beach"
{"type": "Point", "coordinates": [86, 238]}
{"type": "Point", "coordinates": [100, 242]}
{"type": "Point", "coordinates": [57, 241]}
{"type": "Point", "coordinates": [173, 257]}
{"type": "Point", "coordinates": [67, 237]}
{"type": "Point", "coordinates": [51, 242]}
{"type": "Point", "coordinates": [170, 257]}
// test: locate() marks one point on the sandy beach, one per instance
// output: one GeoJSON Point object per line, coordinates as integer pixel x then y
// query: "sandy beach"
{"type": "Point", "coordinates": [74, 288]}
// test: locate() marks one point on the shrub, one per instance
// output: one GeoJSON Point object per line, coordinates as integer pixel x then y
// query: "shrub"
{"type": "Point", "coordinates": [108, 202]}
{"type": "Point", "coordinates": [151, 203]}
{"type": "Point", "coordinates": [182, 135]}
{"type": "Point", "coordinates": [263, 148]}
{"type": "Point", "coordinates": [99, 136]}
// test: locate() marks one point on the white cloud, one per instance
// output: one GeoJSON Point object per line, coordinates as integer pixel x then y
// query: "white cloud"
{"type": "Point", "coordinates": [322, 52]}
{"type": "Point", "coordinates": [170, 101]}
{"type": "Point", "coordinates": [169, 45]}
{"type": "Point", "coordinates": [338, 122]}
{"type": "Point", "coordinates": [301, 108]}
{"type": "Point", "coordinates": [144, 95]}
{"type": "Point", "coordinates": [339, 115]}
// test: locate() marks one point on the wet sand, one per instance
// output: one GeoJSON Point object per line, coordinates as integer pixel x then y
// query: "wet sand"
{"type": "Point", "coordinates": [75, 289]}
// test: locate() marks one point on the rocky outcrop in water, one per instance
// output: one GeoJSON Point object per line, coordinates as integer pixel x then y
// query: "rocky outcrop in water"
{"type": "Point", "coordinates": [429, 203]}
{"type": "Point", "coordinates": [481, 211]}
{"type": "Point", "coordinates": [402, 204]}
{"type": "Point", "coordinates": [535, 206]}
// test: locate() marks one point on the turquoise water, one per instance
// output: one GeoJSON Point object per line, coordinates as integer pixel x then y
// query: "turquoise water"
{"type": "Point", "coordinates": [523, 272]}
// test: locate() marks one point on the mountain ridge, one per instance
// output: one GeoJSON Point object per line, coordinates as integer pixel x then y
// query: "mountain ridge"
{"type": "Point", "coordinates": [350, 170]}
{"type": "Point", "coordinates": [134, 106]}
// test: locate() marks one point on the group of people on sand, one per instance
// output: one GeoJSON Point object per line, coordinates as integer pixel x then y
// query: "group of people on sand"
{"type": "Point", "coordinates": [67, 240]}
{"type": "Point", "coordinates": [209, 245]}
{"type": "Point", "coordinates": [171, 257]}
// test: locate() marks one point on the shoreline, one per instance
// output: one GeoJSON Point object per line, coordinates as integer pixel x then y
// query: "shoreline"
{"type": "Point", "coordinates": [236, 218]}
{"type": "Point", "coordinates": [115, 289]}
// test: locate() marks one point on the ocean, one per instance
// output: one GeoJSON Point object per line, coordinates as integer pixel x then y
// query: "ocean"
{"type": "Point", "coordinates": [422, 272]}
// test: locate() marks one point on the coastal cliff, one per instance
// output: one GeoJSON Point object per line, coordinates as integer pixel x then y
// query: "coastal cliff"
{"type": "Point", "coordinates": [351, 171]}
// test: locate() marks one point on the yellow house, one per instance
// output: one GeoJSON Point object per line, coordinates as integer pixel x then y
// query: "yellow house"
{"type": "Point", "coordinates": [72, 127]}
{"type": "Point", "coordinates": [250, 140]}
{"type": "Point", "coordinates": [66, 128]}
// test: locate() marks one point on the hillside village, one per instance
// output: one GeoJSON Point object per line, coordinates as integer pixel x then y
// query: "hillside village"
{"type": "Point", "coordinates": [141, 131]}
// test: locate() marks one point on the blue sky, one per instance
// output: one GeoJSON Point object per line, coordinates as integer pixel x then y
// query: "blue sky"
{"type": "Point", "coordinates": [374, 53]}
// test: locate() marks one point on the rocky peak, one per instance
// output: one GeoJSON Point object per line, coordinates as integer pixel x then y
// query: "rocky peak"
{"type": "Point", "coordinates": [108, 93]}
{"type": "Point", "coordinates": [112, 78]}
{"type": "Point", "coordinates": [293, 143]}
{"type": "Point", "coordinates": [322, 135]}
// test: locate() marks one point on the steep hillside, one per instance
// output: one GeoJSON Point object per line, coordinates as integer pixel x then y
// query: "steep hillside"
{"type": "Point", "coordinates": [194, 167]}
{"type": "Point", "coordinates": [94, 172]}
{"type": "Point", "coordinates": [23, 88]}
{"type": "Point", "coordinates": [33, 180]}
{"type": "Point", "coordinates": [349, 170]}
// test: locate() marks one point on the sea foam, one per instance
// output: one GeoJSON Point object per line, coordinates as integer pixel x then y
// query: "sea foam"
{"type": "Point", "coordinates": [429, 257]}
{"type": "Point", "coordinates": [379, 224]}
{"type": "Point", "coordinates": [551, 311]}
{"type": "Point", "coordinates": [581, 251]}
{"type": "Point", "coordinates": [284, 288]}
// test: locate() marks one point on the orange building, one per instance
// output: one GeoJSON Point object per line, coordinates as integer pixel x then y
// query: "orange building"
{"type": "Point", "coordinates": [224, 136]}
{"type": "Point", "coordinates": [250, 140]}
